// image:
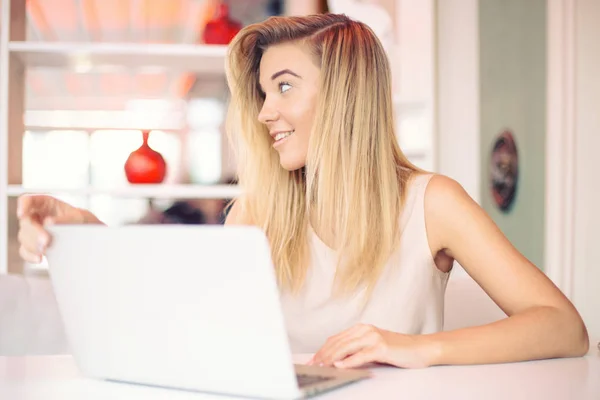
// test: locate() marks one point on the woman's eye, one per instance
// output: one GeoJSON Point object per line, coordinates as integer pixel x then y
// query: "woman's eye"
{"type": "Point", "coordinates": [284, 87]}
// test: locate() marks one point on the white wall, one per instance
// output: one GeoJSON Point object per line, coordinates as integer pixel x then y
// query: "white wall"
{"type": "Point", "coordinates": [513, 64]}
{"type": "Point", "coordinates": [573, 137]}
{"type": "Point", "coordinates": [573, 134]}
{"type": "Point", "coordinates": [586, 240]}
{"type": "Point", "coordinates": [457, 96]}
{"type": "Point", "coordinates": [458, 104]}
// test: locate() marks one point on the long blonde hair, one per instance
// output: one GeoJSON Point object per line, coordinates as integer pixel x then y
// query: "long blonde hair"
{"type": "Point", "coordinates": [354, 181]}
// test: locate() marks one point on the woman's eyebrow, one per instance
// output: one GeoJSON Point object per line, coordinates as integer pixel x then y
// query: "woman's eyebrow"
{"type": "Point", "coordinates": [285, 71]}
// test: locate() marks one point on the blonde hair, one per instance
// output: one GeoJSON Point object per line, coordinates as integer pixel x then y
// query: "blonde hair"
{"type": "Point", "coordinates": [355, 176]}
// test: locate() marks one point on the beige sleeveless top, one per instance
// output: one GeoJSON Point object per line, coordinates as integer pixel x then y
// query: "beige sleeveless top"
{"type": "Point", "coordinates": [409, 297]}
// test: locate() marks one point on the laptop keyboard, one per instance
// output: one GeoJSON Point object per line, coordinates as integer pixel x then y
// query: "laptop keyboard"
{"type": "Point", "coordinates": [306, 380]}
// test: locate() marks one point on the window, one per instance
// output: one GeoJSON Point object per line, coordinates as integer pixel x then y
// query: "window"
{"type": "Point", "coordinates": [56, 159]}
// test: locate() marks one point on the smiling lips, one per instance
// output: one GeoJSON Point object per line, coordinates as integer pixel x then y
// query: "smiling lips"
{"type": "Point", "coordinates": [281, 135]}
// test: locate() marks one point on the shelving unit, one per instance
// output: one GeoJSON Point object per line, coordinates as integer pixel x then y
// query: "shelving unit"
{"type": "Point", "coordinates": [200, 59]}
{"type": "Point", "coordinates": [18, 55]}
{"type": "Point", "coordinates": [206, 62]}
{"type": "Point", "coordinates": [168, 191]}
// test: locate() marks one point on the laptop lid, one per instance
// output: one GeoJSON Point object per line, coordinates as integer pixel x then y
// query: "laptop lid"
{"type": "Point", "coordinates": [184, 306]}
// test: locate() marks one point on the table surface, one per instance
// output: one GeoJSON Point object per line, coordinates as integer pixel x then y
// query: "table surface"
{"type": "Point", "coordinates": [57, 377]}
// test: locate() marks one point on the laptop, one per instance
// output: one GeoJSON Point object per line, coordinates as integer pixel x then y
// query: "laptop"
{"type": "Point", "coordinates": [192, 307]}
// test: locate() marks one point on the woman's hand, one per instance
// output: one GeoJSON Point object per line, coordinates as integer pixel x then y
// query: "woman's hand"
{"type": "Point", "coordinates": [35, 212]}
{"type": "Point", "coordinates": [364, 344]}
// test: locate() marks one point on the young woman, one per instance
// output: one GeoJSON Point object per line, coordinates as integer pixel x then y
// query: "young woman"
{"type": "Point", "coordinates": [363, 241]}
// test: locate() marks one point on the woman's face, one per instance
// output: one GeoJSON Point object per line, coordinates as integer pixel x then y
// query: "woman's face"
{"type": "Point", "coordinates": [289, 79]}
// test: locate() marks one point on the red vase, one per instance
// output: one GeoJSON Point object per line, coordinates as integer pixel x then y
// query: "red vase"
{"type": "Point", "coordinates": [221, 29]}
{"type": "Point", "coordinates": [145, 165]}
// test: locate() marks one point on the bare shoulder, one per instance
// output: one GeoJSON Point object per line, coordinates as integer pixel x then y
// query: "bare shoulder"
{"type": "Point", "coordinates": [444, 195]}
{"type": "Point", "coordinates": [235, 216]}
{"type": "Point", "coordinates": [447, 205]}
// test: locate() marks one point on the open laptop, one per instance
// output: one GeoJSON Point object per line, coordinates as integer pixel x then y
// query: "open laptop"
{"type": "Point", "coordinates": [179, 306]}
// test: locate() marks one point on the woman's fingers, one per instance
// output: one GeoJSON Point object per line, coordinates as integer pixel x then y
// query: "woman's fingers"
{"type": "Point", "coordinates": [29, 257]}
{"type": "Point", "coordinates": [337, 344]}
{"type": "Point", "coordinates": [345, 348]}
{"type": "Point", "coordinates": [366, 356]}
{"type": "Point", "coordinates": [32, 236]}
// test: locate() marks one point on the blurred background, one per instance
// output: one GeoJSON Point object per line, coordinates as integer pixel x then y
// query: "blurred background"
{"type": "Point", "coordinates": [501, 95]}
{"type": "Point", "coordinates": [82, 119]}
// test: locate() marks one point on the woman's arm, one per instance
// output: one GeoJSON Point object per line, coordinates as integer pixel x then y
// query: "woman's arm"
{"type": "Point", "coordinates": [541, 322]}
{"type": "Point", "coordinates": [235, 215]}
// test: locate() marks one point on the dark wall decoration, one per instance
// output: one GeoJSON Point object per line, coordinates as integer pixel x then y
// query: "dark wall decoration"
{"type": "Point", "coordinates": [504, 171]}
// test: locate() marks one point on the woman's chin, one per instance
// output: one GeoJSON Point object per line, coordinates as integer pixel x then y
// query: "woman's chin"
{"type": "Point", "coordinates": [291, 164]}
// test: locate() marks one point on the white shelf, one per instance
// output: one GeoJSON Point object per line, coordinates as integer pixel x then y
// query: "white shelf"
{"type": "Point", "coordinates": [166, 191]}
{"type": "Point", "coordinates": [201, 59]}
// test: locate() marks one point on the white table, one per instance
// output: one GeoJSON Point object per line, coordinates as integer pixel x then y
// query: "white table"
{"type": "Point", "coordinates": [57, 377]}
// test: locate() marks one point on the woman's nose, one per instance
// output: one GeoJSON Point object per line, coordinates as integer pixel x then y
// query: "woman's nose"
{"type": "Point", "coordinates": [267, 114]}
